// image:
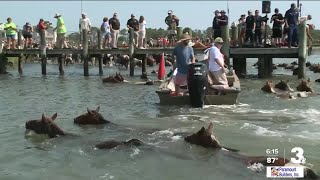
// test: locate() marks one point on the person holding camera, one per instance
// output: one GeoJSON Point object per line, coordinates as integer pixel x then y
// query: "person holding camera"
{"type": "Point", "coordinates": [11, 32]}
{"type": "Point", "coordinates": [173, 22]}
{"type": "Point", "coordinates": [215, 25]}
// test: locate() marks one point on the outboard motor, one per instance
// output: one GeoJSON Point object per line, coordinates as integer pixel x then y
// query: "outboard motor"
{"type": "Point", "coordinates": [197, 83]}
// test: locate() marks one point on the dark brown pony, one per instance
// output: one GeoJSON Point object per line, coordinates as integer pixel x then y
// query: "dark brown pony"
{"type": "Point", "coordinates": [205, 138]}
{"type": "Point", "coordinates": [112, 143]}
{"type": "Point", "coordinates": [304, 86]}
{"type": "Point", "coordinates": [91, 117]}
{"type": "Point", "coordinates": [45, 126]}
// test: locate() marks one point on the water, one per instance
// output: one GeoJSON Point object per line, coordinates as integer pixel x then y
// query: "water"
{"type": "Point", "coordinates": [259, 122]}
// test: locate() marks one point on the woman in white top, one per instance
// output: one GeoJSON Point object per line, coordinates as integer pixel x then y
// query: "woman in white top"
{"type": "Point", "coordinates": [142, 32]}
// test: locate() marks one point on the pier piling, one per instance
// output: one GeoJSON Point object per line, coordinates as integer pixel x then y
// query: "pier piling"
{"type": "Point", "coordinates": [85, 52]}
{"type": "Point", "coordinates": [131, 51]}
{"type": "Point", "coordinates": [43, 55]}
{"type": "Point", "coordinates": [100, 58]}
{"type": "Point", "coordinates": [226, 44]}
{"type": "Point", "coordinates": [20, 44]}
{"type": "Point", "coordinates": [302, 54]}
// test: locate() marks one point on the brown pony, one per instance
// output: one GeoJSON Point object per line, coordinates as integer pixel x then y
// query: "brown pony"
{"type": "Point", "coordinates": [45, 126]}
{"type": "Point", "coordinates": [205, 138]}
{"type": "Point", "coordinates": [91, 117]}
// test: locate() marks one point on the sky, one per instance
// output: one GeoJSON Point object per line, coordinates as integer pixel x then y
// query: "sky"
{"type": "Point", "coordinates": [193, 14]}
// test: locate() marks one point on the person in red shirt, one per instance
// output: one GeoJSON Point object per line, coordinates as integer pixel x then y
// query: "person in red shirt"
{"type": "Point", "coordinates": [42, 26]}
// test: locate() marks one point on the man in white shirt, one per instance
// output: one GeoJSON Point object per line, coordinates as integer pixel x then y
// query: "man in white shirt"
{"type": "Point", "coordinates": [84, 23]}
{"type": "Point", "coordinates": [217, 70]}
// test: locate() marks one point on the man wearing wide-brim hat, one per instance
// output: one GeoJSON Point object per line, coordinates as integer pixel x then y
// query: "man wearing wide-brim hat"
{"type": "Point", "coordinates": [184, 55]}
{"type": "Point", "coordinates": [61, 31]}
{"type": "Point", "coordinates": [217, 70]}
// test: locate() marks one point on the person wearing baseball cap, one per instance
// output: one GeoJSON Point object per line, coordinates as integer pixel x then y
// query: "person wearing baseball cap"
{"type": "Point", "coordinates": [184, 56]}
{"type": "Point", "coordinates": [133, 23]}
{"type": "Point", "coordinates": [223, 19]}
{"type": "Point", "coordinates": [215, 25]}
{"type": "Point", "coordinates": [217, 70]}
{"type": "Point", "coordinates": [250, 27]}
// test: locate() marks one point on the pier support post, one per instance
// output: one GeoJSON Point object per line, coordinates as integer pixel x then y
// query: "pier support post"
{"type": "Point", "coordinates": [131, 51]}
{"type": "Point", "coordinates": [85, 52]}
{"type": "Point", "coordinates": [100, 56]}
{"type": "Point", "coordinates": [179, 32]}
{"type": "Point", "coordinates": [264, 67]}
{"type": "Point", "coordinates": [3, 64]}
{"type": "Point", "coordinates": [302, 53]}
{"type": "Point", "coordinates": [240, 66]}
{"type": "Point", "coordinates": [20, 64]}
{"type": "Point", "coordinates": [226, 43]}
{"type": "Point", "coordinates": [43, 55]}
{"type": "Point", "coordinates": [61, 64]}
{"type": "Point", "coordinates": [144, 67]}
{"type": "Point", "coordinates": [19, 40]}
{"type": "Point", "coordinates": [234, 36]}
{"type": "Point", "coordinates": [1, 38]}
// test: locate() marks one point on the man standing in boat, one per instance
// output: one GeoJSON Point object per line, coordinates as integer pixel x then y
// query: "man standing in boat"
{"type": "Point", "coordinates": [184, 55]}
{"type": "Point", "coordinates": [217, 70]}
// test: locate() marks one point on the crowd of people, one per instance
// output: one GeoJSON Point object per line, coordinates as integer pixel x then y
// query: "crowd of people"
{"type": "Point", "coordinates": [284, 28]}
{"type": "Point", "coordinates": [252, 27]}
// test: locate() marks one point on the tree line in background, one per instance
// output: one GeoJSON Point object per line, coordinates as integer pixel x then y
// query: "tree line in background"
{"type": "Point", "coordinates": [159, 33]}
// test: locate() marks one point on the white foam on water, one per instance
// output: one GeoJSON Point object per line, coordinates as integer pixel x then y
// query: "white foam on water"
{"type": "Point", "coordinates": [163, 132]}
{"type": "Point", "coordinates": [176, 138]}
{"type": "Point", "coordinates": [256, 167]}
{"type": "Point", "coordinates": [260, 131]}
{"type": "Point", "coordinates": [136, 151]}
{"type": "Point", "coordinates": [106, 176]}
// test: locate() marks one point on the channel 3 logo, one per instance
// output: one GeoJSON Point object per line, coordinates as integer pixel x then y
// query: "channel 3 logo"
{"type": "Point", "coordinates": [299, 159]}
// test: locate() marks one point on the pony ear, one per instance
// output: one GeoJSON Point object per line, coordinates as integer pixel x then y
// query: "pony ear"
{"type": "Point", "coordinates": [98, 108]}
{"type": "Point", "coordinates": [43, 117]}
{"type": "Point", "coordinates": [210, 128]}
{"type": "Point", "coordinates": [287, 80]}
{"type": "Point", "coordinates": [308, 80]}
{"type": "Point", "coordinates": [89, 112]}
{"type": "Point", "coordinates": [54, 116]}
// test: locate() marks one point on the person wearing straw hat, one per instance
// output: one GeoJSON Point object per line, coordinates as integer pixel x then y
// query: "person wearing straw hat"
{"type": "Point", "coordinates": [184, 55]}
{"type": "Point", "coordinates": [61, 31]}
{"type": "Point", "coordinates": [217, 70]}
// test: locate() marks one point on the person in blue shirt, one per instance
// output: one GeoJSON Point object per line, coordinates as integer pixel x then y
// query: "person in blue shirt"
{"type": "Point", "coordinates": [184, 56]}
{"type": "Point", "coordinates": [291, 22]}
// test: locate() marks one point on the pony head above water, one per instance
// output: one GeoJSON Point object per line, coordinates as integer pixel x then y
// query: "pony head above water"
{"type": "Point", "coordinates": [283, 85]}
{"type": "Point", "coordinates": [91, 117]}
{"type": "Point", "coordinates": [304, 86]}
{"type": "Point", "coordinates": [268, 87]}
{"type": "Point", "coordinates": [45, 126]}
{"type": "Point", "coordinates": [204, 137]}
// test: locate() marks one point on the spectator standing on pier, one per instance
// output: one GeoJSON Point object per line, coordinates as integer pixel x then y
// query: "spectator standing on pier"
{"type": "Point", "coordinates": [115, 30]}
{"type": "Point", "coordinates": [258, 28]}
{"type": "Point", "coordinates": [309, 28]}
{"type": "Point", "coordinates": [291, 21]}
{"type": "Point", "coordinates": [27, 32]}
{"type": "Point", "coordinates": [142, 32]}
{"type": "Point", "coordinates": [278, 21]}
{"type": "Point", "coordinates": [223, 18]}
{"type": "Point", "coordinates": [173, 22]}
{"type": "Point", "coordinates": [106, 33]}
{"type": "Point", "coordinates": [250, 27]}
{"type": "Point", "coordinates": [215, 25]}
{"type": "Point", "coordinates": [242, 26]}
{"type": "Point", "coordinates": [61, 31]}
{"type": "Point", "coordinates": [184, 56]}
{"type": "Point", "coordinates": [133, 23]}
{"type": "Point", "coordinates": [84, 23]}
{"type": "Point", "coordinates": [11, 32]}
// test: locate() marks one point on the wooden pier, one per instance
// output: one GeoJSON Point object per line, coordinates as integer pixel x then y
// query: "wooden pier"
{"type": "Point", "coordinates": [239, 55]}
